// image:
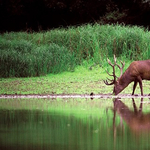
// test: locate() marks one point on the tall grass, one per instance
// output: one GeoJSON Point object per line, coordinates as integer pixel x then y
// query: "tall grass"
{"type": "Point", "coordinates": [22, 58]}
{"type": "Point", "coordinates": [33, 54]}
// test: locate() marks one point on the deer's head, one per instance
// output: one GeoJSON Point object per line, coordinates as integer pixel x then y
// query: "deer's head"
{"type": "Point", "coordinates": [116, 81]}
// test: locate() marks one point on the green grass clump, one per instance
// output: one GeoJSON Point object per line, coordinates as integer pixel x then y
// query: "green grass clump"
{"type": "Point", "coordinates": [22, 59]}
{"type": "Point", "coordinates": [25, 54]}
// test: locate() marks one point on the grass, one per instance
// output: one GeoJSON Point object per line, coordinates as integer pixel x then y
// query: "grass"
{"type": "Point", "coordinates": [69, 60]}
{"type": "Point", "coordinates": [82, 81]}
{"type": "Point", "coordinates": [25, 54]}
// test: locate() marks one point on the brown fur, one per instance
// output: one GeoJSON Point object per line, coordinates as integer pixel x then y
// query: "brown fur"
{"type": "Point", "coordinates": [136, 72]}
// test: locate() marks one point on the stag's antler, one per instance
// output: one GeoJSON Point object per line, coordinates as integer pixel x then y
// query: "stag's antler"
{"type": "Point", "coordinates": [113, 75]}
{"type": "Point", "coordinates": [113, 81]}
{"type": "Point", "coordinates": [121, 68]}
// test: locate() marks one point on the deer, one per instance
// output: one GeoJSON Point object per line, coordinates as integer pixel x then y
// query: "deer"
{"type": "Point", "coordinates": [136, 72]}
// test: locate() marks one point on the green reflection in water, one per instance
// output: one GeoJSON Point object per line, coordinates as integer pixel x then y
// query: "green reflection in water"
{"type": "Point", "coordinates": [75, 124]}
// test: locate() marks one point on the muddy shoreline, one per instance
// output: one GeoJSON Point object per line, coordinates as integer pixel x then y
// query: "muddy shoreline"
{"type": "Point", "coordinates": [65, 96]}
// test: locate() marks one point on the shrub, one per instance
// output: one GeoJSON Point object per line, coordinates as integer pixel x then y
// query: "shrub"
{"type": "Point", "coordinates": [34, 54]}
{"type": "Point", "coordinates": [22, 59]}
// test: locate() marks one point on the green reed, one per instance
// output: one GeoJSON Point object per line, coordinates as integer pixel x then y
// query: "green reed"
{"type": "Point", "coordinates": [25, 54]}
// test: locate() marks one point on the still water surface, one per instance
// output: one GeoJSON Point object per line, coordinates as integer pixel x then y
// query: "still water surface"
{"type": "Point", "coordinates": [74, 124]}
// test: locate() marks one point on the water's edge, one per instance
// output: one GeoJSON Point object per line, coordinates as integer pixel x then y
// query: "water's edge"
{"type": "Point", "coordinates": [52, 96]}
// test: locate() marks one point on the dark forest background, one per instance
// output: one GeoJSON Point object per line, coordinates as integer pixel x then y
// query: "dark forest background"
{"type": "Point", "coordinates": [38, 15]}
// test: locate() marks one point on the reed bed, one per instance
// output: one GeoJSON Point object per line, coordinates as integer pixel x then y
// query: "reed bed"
{"type": "Point", "coordinates": [25, 54]}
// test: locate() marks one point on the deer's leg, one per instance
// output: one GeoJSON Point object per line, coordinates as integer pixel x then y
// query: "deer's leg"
{"type": "Point", "coordinates": [140, 83]}
{"type": "Point", "coordinates": [134, 86]}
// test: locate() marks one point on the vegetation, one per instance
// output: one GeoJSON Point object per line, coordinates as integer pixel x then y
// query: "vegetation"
{"type": "Point", "coordinates": [82, 81]}
{"type": "Point", "coordinates": [25, 54]}
{"type": "Point", "coordinates": [80, 53]}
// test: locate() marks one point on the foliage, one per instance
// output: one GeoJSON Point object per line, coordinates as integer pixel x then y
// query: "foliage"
{"type": "Point", "coordinates": [22, 59]}
{"type": "Point", "coordinates": [33, 54]}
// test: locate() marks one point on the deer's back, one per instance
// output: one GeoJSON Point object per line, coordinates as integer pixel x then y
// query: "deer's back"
{"type": "Point", "coordinates": [140, 68]}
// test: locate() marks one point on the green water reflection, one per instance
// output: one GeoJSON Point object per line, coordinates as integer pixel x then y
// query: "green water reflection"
{"type": "Point", "coordinates": [74, 124]}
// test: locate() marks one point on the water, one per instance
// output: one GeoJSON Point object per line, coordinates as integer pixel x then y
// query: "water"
{"type": "Point", "coordinates": [74, 124]}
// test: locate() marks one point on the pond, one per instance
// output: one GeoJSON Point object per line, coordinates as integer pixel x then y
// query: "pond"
{"type": "Point", "coordinates": [74, 124]}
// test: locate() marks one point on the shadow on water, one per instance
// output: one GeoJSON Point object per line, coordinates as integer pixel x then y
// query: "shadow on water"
{"type": "Point", "coordinates": [74, 125]}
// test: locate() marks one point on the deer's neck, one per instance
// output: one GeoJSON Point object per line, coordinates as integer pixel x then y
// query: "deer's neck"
{"type": "Point", "coordinates": [125, 79]}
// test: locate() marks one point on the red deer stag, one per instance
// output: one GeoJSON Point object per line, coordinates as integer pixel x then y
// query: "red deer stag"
{"type": "Point", "coordinates": [136, 72]}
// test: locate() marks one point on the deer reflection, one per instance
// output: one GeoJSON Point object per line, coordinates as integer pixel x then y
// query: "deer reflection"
{"type": "Point", "coordinates": [137, 121]}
